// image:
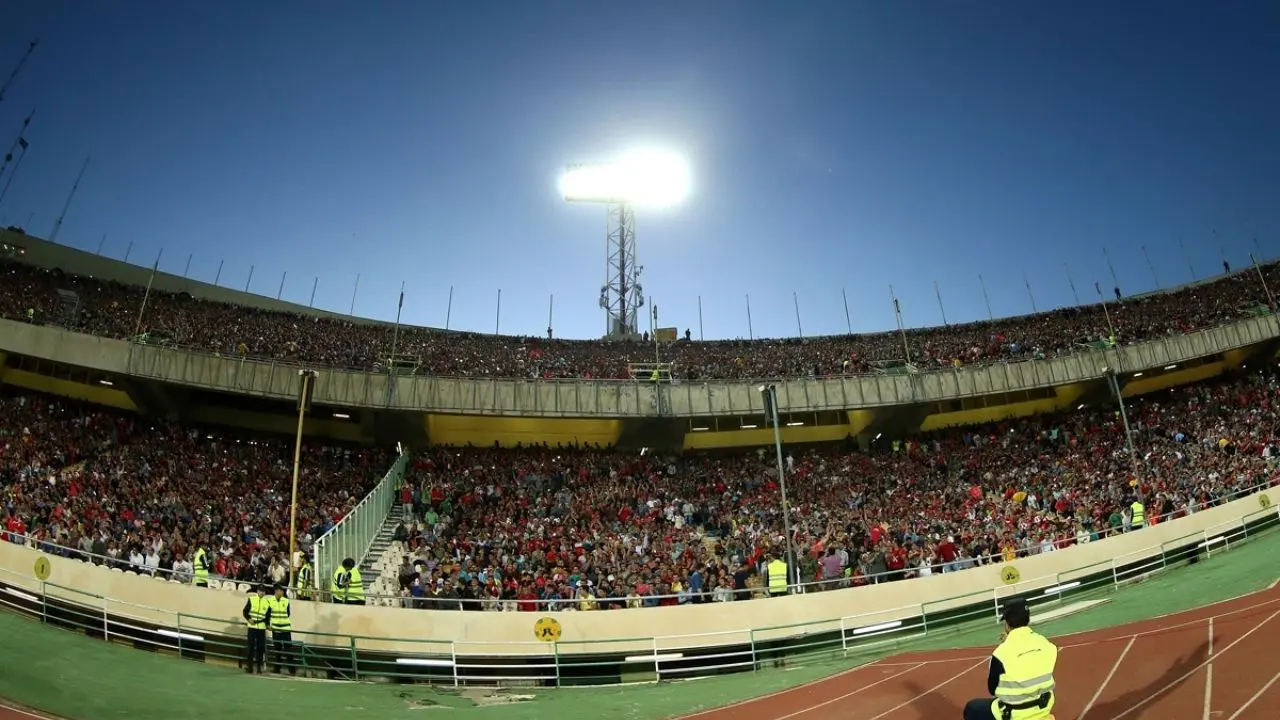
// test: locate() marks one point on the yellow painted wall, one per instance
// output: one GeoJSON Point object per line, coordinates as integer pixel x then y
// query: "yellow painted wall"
{"type": "Point", "coordinates": [1063, 397]}
{"type": "Point", "coordinates": [1143, 385]}
{"type": "Point", "coordinates": [100, 394]}
{"type": "Point", "coordinates": [342, 430]}
{"type": "Point", "coordinates": [456, 430]}
{"type": "Point", "coordinates": [858, 421]}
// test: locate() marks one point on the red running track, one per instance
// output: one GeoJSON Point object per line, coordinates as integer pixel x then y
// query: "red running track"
{"type": "Point", "coordinates": [1215, 662]}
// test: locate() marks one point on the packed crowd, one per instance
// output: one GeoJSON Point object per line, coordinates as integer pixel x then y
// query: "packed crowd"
{"type": "Point", "coordinates": [111, 309]}
{"type": "Point", "coordinates": [589, 528]}
{"type": "Point", "coordinates": [122, 490]}
{"type": "Point", "coordinates": [582, 530]}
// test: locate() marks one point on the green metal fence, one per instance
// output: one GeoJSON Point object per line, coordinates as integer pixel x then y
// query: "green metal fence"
{"type": "Point", "coordinates": [354, 534]}
{"type": "Point", "coordinates": [582, 662]}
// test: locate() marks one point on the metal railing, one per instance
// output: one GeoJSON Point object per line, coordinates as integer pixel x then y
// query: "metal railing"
{"type": "Point", "coordinates": [572, 662]}
{"type": "Point", "coordinates": [542, 605]}
{"type": "Point", "coordinates": [353, 535]}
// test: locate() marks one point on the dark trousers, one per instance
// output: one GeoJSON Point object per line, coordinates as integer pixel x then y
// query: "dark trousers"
{"type": "Point", "coordinates": [256, 649]}
{"type": "Point", "coordinates": [283, 651]}
{"type": "Point", "coordinates": [979, 709]}
{"type": "Point", "coordinates": [354, 602]}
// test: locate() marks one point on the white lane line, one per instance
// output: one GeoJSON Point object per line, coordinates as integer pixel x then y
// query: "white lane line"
{"type": "Point", "coordinates": [849, 694]}
{"type": "Point", "coordinates": [1159, 630]}
{"type": "Point", "coordinates": [784, 691]}
{"type": "Point", "coordinates": [1107, 681]}
{"type": "Point", "coordinates": [948, 681]}
{"type": "Point", "coordinates": [1253, 699]}
{"type": "Point", "coordinates": [1208, 675]}
{"type": "Point", "coordinates": [1195, 669]}
{"type": "Point", "coordinates": [27, 713]}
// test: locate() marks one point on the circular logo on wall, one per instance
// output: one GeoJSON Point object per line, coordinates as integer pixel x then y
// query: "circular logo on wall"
{"type": "Point", "coordinates": [547, 629]}
{"type": "Point", "coordinates": [42, 568]}
{"type": "Point", "coordinates": [1010, 575]}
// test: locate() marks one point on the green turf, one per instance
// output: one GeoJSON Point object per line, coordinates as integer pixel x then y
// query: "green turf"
{"type": "Point", "coordinates": [68, 674]}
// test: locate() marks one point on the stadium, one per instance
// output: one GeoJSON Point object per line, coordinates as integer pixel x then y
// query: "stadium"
{"type": "Point", "coordinates": [1014, 449]}
{"type": "Point", "coordinates": [224, 499]}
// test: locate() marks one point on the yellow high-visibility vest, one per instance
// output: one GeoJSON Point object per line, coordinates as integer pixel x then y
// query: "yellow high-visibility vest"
{"type": "Point", "coordinates": [1027, 683]}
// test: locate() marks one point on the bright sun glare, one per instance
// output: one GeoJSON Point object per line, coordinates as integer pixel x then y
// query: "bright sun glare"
{"type": "Point", "coordinates": [643, 178]}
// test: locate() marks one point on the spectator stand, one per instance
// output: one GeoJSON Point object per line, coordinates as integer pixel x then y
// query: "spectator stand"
{"type": "Point", "coordinates": [562, 661]}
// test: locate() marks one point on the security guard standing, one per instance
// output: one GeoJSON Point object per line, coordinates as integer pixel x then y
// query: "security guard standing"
{"type": "Point", "coordinates": [348, 586]}
{"type": "Point", "coordinates": [776, 570]}
{"type": "Point", "coordinates": [281, 621]}
{"type": "Point", "coordinates": [1021, 675]}
{"type": "Point", "coordinates": [200, 566]}
{"type": "Point", "coordinates": [1138, 518]}
{"type": "Point", "coordinates": [257, 615]}
{"type": "Point", "coordinates": [304, 583]}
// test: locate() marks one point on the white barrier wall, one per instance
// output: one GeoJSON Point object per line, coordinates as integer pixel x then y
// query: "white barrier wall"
{"type": "Point", "coordinates": [631, 630]}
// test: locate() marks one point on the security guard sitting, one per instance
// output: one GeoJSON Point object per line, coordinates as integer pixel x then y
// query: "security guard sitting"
{"type": "Point", "coordinates": [1021, 675]}
{"type": "Point", "coordinates": [257, 614]}
{"type": "Point", "coordinates": [281, 621]}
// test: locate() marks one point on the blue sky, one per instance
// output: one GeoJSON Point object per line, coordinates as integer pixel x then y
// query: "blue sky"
{"type": "Point", "coordinates": [835, 145]}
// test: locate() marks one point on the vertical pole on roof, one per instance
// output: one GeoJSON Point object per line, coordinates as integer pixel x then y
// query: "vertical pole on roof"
{"type": "Point", "coordinates": [551, 314]}
{"type": "Point", "coordinates": [392, 362]}
{"type": "Point", "coordinates": [1151, 267]}
{"type": "Point", "coordinates": [137, 330]}
{"type": "Point", "coordinates": [448, 311]}
{"type": "Point", "coordinates": [902, 328]}
{"type": "Point", "coordinates": [1115, 280]}
{"type": "Point", "coordinates": [218, 276]}
{"type": "Point", "coordinates": [1187, 259]}
{"type": "Point", "coordinates": [102, 242]}
{"type": "Point", "coordinates": [1111, 329]}
{"type": "Point", "coordinates": [249, 280]}
{"type": "Point", "coordinates": [1027, 281]}
{"type": "Point", "coordinates": [354, 290]}
{"type": "Point", "coordinates": [938, 291]}
{"type": "Point", "coordinates": [795, 300]}
{"type": "Point", "coordinates": [314, 284]}
{"type": "Point", "coordinates": [990, 315]}
{"type": "Point", "coordinates": [751, 335]}
{"type": "Point", "coordinates": [848, 323]}
{"type": "Point", "coordinates": [186, 270]}
{"type": "Point", "coordinates": [1271, 301]}
{"type": "Point", "coordinates": [700, 335]}
{"type": "Point", "coordinates": [497, 316]}
{"type": "Point", "coordinates": [1072, 282]}
{"type": "Point", "coordinates": [280, 292]}
{"type": "Point", "coordinates": [129, 251]}
{"type": "Point", "coordinates": [57, 223]}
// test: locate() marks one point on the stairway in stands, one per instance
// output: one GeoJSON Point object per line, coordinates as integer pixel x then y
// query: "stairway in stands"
{"type": "Point", "coordinates": [384, 555]}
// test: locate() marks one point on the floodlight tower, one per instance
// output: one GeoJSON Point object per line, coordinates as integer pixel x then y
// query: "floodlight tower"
{"type": "Point", "coordinates": [638, 179]}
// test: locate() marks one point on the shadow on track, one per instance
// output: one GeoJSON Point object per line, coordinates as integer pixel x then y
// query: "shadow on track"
{"type": "Point", "coordinates": [1117, 707]}
{"type": "Point", "coordinates": [932, 704]}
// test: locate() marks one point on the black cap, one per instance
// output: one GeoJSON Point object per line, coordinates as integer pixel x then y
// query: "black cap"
{"type": "Point", "coordinates": [263, 588]}
{"type": "Point", "coordinates": [1016, 612]}
{"type": "Point", "coordinates": [278, 588]}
